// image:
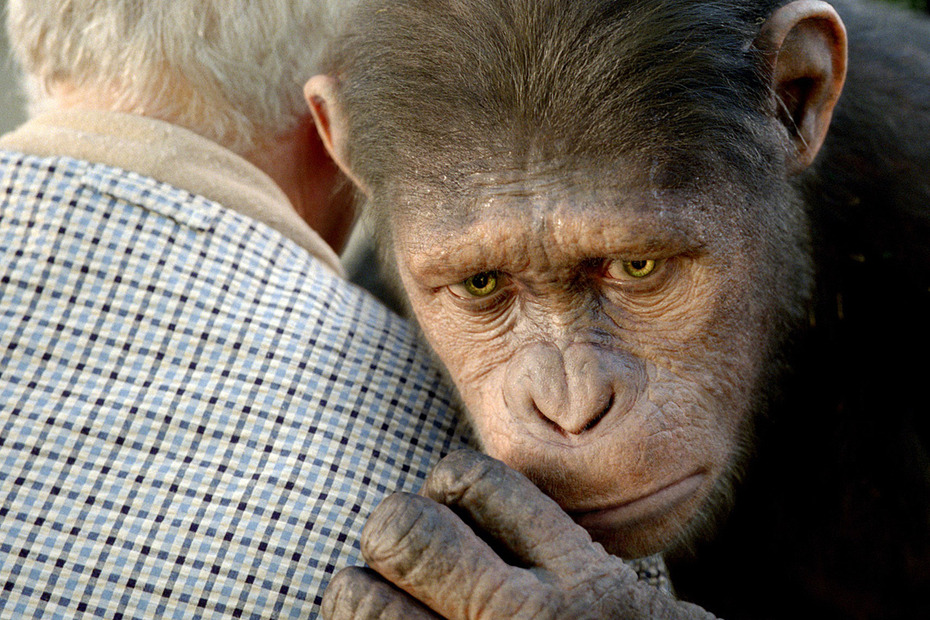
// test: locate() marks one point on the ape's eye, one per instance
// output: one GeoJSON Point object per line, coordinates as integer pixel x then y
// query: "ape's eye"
{"type": "Point", "coordinates": [481, 284]}
{"type": "Point", "coordinates": [636, 269]}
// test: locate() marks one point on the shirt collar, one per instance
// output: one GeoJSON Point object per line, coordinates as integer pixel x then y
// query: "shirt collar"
{"type": "Point", "coordinates": [172, 155]}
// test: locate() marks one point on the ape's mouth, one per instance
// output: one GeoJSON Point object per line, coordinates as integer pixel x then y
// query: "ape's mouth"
{"type": "Point", "coordinates": [650, 506]}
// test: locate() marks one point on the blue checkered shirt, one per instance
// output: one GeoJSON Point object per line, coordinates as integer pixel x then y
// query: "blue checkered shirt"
{"type": "Point", "coordinates": [195, 415]}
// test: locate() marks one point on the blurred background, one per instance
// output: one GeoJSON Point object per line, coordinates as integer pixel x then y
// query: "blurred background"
{"type": "Point", "coordinates": [920, 5]}
{"type": "Point", "coordinates": [11, 102]}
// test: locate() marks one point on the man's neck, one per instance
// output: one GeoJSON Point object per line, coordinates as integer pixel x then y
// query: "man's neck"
{"type": "Point", "coordinates": [298, 162]}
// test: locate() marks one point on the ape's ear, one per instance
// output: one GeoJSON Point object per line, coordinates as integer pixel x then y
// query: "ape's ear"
{"type": "Point", "coordinates": [320, 93]}
{"type": "Point", "coordinates": [804, 43]}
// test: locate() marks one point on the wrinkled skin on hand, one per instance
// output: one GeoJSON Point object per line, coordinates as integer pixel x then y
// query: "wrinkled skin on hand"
{"type": "Point", "coordinates": [427, 562]}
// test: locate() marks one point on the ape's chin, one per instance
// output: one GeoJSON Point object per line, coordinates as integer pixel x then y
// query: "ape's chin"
{"type": "Point", "coordinates": [644, 527]}
{"type": "Point", "coordinates": [670, 519]}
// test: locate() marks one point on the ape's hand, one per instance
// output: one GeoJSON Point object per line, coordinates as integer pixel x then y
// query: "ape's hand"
{"type": "Point", "coordinates": [423, 548]}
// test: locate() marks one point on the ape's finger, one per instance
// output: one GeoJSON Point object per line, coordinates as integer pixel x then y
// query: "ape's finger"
{"type": "Point", "coordinates": [511, 509]}
{"type": "Point", "coordinates": [360, 594]}
{"type": "Point", "coordinates": [424, 548]}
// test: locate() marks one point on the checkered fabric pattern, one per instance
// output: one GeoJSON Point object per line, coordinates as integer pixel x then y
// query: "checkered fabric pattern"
{"type": "Point", "coordinates": [195, 416]}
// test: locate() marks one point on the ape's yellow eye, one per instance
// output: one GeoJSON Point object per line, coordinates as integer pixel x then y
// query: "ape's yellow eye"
{"type": "Point", "coordinates": [637, 269]}
{"type": "Point", "coordinates": [482, 284]}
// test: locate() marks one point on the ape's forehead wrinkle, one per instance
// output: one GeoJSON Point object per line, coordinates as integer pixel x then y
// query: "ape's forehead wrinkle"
{"type": "Point", "coordinates": [527, 179]}
{"type": "Point", "coordinates": [516, 230]}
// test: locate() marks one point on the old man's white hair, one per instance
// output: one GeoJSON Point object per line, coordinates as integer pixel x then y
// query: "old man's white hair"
{"type": "Point", "coordinates": [231, 70]}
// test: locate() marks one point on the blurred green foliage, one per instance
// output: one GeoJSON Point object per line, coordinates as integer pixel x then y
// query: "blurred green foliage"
{"type": "Point", "coordinates": [920, 5]}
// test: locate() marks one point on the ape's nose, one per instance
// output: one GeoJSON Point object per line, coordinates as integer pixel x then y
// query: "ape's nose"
{"type": "Point", "coordinates": [572, 391]}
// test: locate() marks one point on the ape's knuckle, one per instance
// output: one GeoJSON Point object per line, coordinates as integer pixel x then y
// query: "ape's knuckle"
{"type": "Point", "coordinates": [452, 471]}
{"type": "Point", "coordinates": [463, 471]}
{"type": "Point", "coordinates": [344, 594]}
{"type": "Point", "coordinates": [359, 594]}
{"type": "Point", "coordinates": [399, 531]}
{"type": "Point", "coordinates": [460, 460]}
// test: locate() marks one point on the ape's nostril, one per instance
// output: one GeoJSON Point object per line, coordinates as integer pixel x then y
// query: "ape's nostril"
{"type": "Point", "coordinates": [600, 416]}
{"type": "Point", "coordinates": [571, 424]}
{"type": "Point", "coordinates": [548, 421]}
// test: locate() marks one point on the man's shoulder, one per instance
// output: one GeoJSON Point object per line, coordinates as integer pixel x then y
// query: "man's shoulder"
{"type": "Point", "coordinates": [191, 247]}
{"type": "Point", "coordinates": [210, 395]}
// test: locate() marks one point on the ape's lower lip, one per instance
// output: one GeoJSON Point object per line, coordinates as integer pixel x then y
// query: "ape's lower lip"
{"type": "Point", "coordinates": [642, 508]}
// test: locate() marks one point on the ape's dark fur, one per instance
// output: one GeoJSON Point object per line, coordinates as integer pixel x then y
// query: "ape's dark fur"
{"type": "Point", "coordinates": [834, 518]}
{"type": "Point", "coordinates": [660, 80]}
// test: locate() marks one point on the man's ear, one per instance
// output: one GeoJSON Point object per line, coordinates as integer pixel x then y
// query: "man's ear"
{"type": "Point", "coordinates": [804, 43]}
{"type": "Point", "coordinates": [320, 93]}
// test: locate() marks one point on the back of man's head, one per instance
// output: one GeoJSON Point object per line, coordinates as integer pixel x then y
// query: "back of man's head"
{"type": "Point", "coordinates": [231, 70]}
